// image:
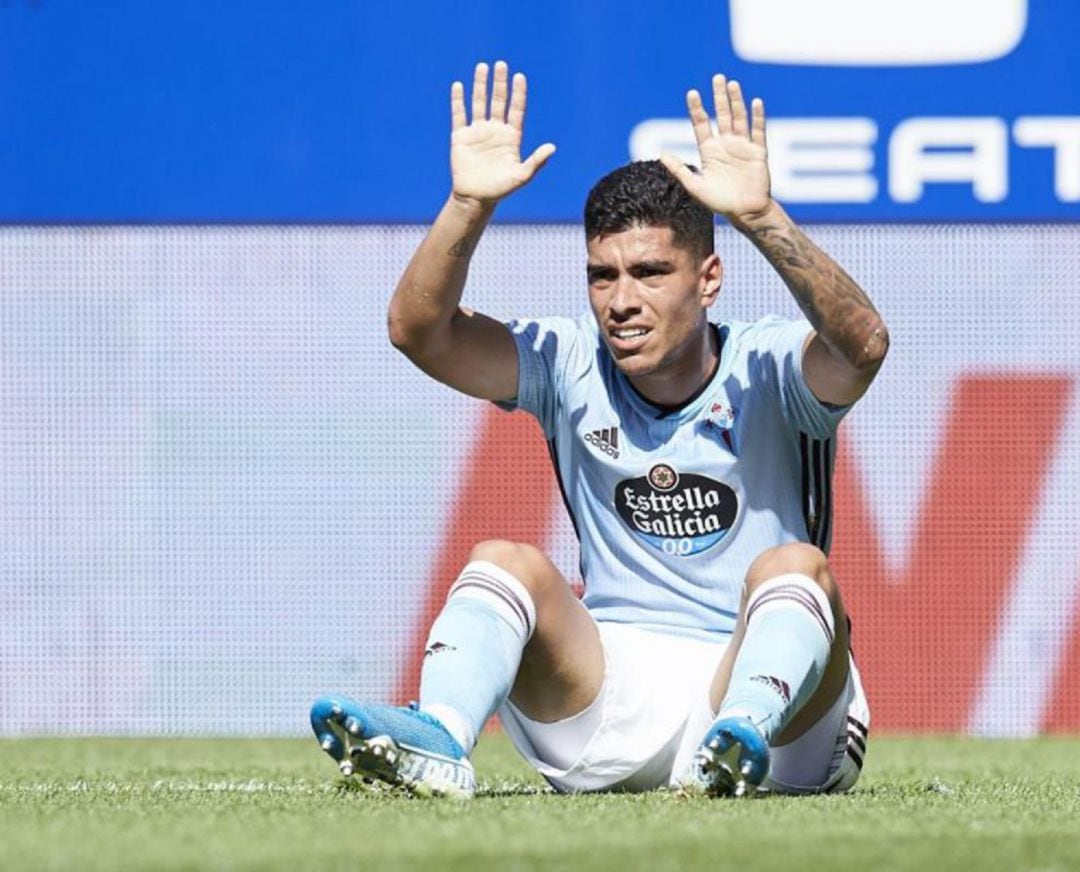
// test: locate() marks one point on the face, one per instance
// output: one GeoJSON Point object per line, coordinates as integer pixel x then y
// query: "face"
{"type": "Point", "coordinates": [649, 297]}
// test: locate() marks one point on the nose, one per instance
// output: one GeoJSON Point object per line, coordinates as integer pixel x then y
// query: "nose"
{"type": "Point", "coordinates": [624, 301]}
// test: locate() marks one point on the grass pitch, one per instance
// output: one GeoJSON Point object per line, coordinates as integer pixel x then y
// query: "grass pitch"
{"type": "Point", "coordinates": [923, 804]}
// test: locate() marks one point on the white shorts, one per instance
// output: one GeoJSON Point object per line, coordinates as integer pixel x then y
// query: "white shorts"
{"type": "Point", "coordinates": [653, 709]}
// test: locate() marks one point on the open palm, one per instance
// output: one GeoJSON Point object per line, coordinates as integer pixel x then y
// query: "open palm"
{"type": "Point", "coordinates": [734, 177]}
{"type": "Point", "coordinates": [485, 155]}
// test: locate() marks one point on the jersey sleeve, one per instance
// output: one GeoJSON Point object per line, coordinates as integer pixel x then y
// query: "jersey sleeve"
{"type": "Point", "coordinates": [549, 349]}
{"type": "Point", "coordinates": [783, 342]}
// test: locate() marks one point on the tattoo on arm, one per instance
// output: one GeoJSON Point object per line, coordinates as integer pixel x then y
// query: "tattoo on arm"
{"type": "Point", "coordinates": [839, 310]}
{"type": "Point", "coordinates": [462, 248]}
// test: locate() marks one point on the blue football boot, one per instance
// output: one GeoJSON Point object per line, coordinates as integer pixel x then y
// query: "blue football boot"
{"type": "Point", "coordinates": [401, 746]}
{"type": "Point", "coordinates": [733, 758]}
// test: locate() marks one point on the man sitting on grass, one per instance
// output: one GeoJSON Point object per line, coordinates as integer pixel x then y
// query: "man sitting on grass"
{"type": "Point", "coordinates": [710, 649]}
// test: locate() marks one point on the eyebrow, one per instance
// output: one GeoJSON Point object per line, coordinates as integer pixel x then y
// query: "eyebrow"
{"type": "Point", "coordinates": [658, 265]}
{"type": "Point", "coordinates": [636, 266]}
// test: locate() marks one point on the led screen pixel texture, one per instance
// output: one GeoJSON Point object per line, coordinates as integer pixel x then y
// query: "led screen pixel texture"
{"type": "Point", "coordinates": [222, 492]}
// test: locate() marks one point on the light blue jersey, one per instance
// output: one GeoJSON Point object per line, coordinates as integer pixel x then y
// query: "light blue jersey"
{"type": "Point", "coordinates": [671, 507]}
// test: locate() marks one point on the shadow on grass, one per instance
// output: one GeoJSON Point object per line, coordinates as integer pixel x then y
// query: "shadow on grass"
{"type": "Point", "coordinates": [378, 790]}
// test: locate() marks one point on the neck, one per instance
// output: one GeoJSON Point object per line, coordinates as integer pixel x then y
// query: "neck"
{"type": "Point", "coordinates": [674, 385]}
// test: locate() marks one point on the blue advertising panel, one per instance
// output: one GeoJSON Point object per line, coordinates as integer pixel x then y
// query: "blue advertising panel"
{"type": "Point", "coordinates": [893, 110]}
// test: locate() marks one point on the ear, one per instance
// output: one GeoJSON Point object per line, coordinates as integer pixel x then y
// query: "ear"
{"type": "Point", "coordinates": [712, 276]}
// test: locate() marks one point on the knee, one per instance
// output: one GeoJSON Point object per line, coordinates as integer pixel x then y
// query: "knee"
{"type": "Point", "coordinates": [525, 562]}
{"type": "Point", "coordinates": [800, 557]}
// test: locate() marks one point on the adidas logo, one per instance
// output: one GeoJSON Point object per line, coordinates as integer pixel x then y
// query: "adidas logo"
{"type": "Point", "coordinates": [780, 686]}
{"type": "Point", "coordinates": [436, 648]}
{"type": "Point", "coordinates": [606, 439]}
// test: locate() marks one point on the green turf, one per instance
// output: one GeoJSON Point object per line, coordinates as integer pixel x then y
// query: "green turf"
{"type": "Point", "coordinates": [923, 804]}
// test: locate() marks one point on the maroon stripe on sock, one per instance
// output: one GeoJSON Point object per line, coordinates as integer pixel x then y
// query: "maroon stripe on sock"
{"type": "Point", "coordinates": [797, 595]}
{"type": "Point", "coordinates": [814, 612]}
{"type": "Point", "coordinates": [493, 585]}
{"type": "Point", "coordinates": [803, 595]}
{"type": "Point", "coordinates": [794, 590]}
{"type": "Point", "coordinates": [476, 574]}
{"type": "Point", "coordinates": [494, 592]}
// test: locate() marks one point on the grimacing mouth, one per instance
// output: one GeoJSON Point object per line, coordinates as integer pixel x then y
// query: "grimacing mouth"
{"type": "Point", "coordinates": [629, 332]}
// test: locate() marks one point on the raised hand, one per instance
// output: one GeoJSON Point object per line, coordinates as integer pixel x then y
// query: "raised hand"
{"type": "Point", "coordinates": [485, 154]}
{"type": "Point", "coordinates": [734, 177]}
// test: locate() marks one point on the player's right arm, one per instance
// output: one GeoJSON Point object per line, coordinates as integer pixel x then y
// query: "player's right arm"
{"type": "Point", "coordinates": [461, 348]}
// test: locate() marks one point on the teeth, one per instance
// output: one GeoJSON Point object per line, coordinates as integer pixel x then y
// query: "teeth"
{"type": "Point", "coordinates": [631, 334]}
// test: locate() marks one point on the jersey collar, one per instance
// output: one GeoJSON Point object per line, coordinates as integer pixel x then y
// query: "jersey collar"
{"type": "Point", "coordinates": [692, 406]}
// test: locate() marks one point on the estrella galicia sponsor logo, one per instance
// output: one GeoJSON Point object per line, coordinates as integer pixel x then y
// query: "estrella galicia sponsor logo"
{"type": "Point", "coordinates": [678, 514]}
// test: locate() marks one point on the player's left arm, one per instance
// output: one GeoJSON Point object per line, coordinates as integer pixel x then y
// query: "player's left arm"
{"type": "Point", "coordinates": [849, 342]}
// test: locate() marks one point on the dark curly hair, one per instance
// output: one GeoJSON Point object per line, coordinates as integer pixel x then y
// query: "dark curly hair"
{"type": "Point", "coordinates": [645, 194]}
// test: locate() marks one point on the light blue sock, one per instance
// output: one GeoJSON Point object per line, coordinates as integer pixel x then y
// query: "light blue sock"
{"type": "Point", "coordinates": [474, 649]}
{"type": "Point", "coordinates": [789, 633]}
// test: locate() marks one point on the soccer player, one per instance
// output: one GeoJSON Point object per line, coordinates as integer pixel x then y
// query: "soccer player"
{"type": "Point", "coordinates": [710, 649]}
